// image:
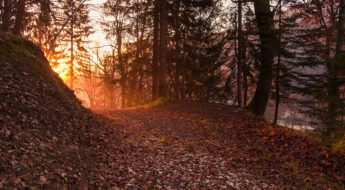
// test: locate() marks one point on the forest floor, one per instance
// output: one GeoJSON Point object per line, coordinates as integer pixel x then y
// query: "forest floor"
{"type": "Point", "coordinates": [206, 146]}
{"type": "Point", "coordinates": [49, 141]}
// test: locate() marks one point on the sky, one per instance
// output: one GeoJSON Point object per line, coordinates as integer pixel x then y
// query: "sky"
{"type": "Point", "coordinates": [98, 38]}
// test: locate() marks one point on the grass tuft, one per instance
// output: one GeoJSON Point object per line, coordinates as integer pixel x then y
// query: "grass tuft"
{"type": "Point", "coordinates": [339, 147]}
{"type": "Point", "coordinates": [153, 104]}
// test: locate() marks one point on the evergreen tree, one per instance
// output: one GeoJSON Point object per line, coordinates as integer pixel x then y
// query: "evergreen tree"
{"type": "Point", "coordinates": [75, 33]}
{"type": "Point", "coordinates": [195, 48]}
{"type": "Point", "coordinates": [308, 64]}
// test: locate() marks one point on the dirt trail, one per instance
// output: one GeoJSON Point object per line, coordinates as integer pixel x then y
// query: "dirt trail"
{"type": "Point", "coordinates": [197, 146]}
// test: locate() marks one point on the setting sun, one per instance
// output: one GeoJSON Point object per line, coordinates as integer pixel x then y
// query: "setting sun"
{"type": "Point", "coordinates": [61, 68]}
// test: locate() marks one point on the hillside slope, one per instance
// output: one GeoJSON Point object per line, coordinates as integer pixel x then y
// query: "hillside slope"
{"type": "Point", "coordinates": [42, 125]}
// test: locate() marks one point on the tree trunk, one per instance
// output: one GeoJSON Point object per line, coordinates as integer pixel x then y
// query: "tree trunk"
{"type": "Point", "coordinates": [163, 86]}
{"type": "Point", "coordinates": [239, 55]}
{"type": "Point", "coordinates": [333, 106]}
{"type": "Point", "coordinates": [245, 86]}
{"type": "Point", "coordinates": [122, 67]}
{"type": "Point", "coordinates": [138, 63]}
{"type": "Point", "coordinates": [341, 28]}
{"type": "Point", "coordinates": [334, 100]}
{"type": "Point", "coordinates": [155, 59]}
{"type": "Point", "coordinates": [179, 63]}
{"type": "Point", "coordinates": [246, 71]}
{"type": "Point", "coordinates": [72, 49]}
{"type": "Point", "coordinates": [276, 111]}
{"type": "Point", "coordinates": [264, 19]}
{"type": "Point", "coordinates": [183, 69]}
{"type": "Point", "coordinates": [18, 25]}
{"type": "Point", "coordinates": [6, 16]}
{"type": "Point", "coordinates": [277, 100]}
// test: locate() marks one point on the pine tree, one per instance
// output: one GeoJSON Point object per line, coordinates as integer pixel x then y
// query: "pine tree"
{"type": "Point", "coordinates": [195, 48]}
{"type": "Point", "coordinates": [310, 72]}
{"type": "Point", "coordinates": [76, 12]}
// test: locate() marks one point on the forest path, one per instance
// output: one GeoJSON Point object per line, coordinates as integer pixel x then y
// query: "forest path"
{"type": "Point", "coordinates": [191, 146]}
{"type": "Point", "coordinates": [173, 148]}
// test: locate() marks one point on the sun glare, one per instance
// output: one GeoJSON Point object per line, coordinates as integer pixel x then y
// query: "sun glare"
{"type": "Point", "coordinates": [62, 69]}
{"type": "Point", "coordinates": [123, 50]}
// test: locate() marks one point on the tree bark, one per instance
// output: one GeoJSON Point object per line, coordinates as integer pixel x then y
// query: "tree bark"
{"type": "Point", "coordinates": [334, 100]}
{"type": "Point", "coordinates": [277, 100]}
{"type": "Point", "coordinates": [122, 66]}
{"type": "Point", "coordinates": [155, 58]}
{"type": "Point", "coordinates": [276, 111]}
{"type": "Point", "coordinates": [18, 25]}
{"type": "Point", "coordinates": [135, 82]}
{"type": "Point", "coordinates": [341, 28]}
{"type": "Point", "coordinates": [239, 55]}
{"type": "Point", "coordinates": [264, 19]}
{"type": "Point", "coordinates": [245, 77]}
{"type": "Point", "coordinates": [163, 86]}
{"type": "Point", "coordinates": [6, 16]}
{"type": "Point", "coordinates": [179, 63]}
{"type": "Point", "coordinates": [71, 68]}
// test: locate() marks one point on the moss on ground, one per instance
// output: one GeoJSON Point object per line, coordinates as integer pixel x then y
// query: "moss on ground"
{"type": "Point", "coordinates": [153, 104]}
{"type": "Point", "coordinates": [339, 147]}
{"type": "Point", "coordinates": [20, 50]}
{"type": "Point", "coordinates": [18, 55]}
